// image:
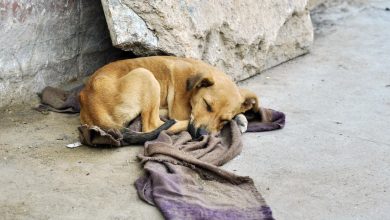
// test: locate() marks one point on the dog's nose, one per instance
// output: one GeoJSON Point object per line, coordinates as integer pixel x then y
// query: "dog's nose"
{"type": "Point", "coordinates": [196, 132]}
{"type": "Point", "coordinates": [201, 131]}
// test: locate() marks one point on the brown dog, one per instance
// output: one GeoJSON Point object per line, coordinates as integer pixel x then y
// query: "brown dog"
{"type": "Point", "coordinates": [195, 94]}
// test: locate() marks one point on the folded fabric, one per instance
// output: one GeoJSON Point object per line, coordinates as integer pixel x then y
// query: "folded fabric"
{"type": "Point", "coordinates": [58, 100]}
{"type": "Point", "coordinates": [184, 179]}
{"type": "Point", "coordinates": [265, 120]}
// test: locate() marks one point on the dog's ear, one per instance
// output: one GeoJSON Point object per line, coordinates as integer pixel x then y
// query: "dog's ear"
{"type": "Point", "coordinates": [199, 80]}
{"type": "Point", "coordinates": [251, 102]}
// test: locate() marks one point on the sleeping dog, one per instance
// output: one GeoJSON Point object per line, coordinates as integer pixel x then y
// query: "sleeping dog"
{"type": "Point", "coordinates": [194, 95]}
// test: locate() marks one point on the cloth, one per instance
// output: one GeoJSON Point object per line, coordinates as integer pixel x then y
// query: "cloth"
{"type": "Point", "coordinates": [265, 120]}
{"type": "Point", "coordinates": [184, 179]}
{"type": "Point", "coordinates": [183, 176]}
{"type": "Point", "coordinates": [58, 100]}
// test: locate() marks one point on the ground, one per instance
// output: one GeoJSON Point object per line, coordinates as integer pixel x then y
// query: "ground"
{"type": "Point", "coordinates": [331, 161]}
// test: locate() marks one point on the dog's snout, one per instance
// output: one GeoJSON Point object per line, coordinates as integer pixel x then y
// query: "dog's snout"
{"type": "Point", "coordinates": [196, 132]}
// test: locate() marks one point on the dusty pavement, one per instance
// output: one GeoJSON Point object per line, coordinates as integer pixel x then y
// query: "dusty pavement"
{"type": "Point", "coordinates": [332, 160]}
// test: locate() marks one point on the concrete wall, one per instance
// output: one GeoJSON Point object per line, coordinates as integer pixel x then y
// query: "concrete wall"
{"type": "Point", "coordinates": [48, 42]}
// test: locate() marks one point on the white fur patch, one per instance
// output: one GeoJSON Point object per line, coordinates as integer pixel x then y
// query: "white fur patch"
{"type": "Point", "coordinates": [242, 122]}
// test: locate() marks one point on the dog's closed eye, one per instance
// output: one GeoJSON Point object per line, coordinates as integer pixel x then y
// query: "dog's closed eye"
{"type": "Point", "coordinates": [208, 106]}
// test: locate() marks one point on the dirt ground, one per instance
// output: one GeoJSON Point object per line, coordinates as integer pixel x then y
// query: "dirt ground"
{"type": "Point", "coordinates": [331, 161]}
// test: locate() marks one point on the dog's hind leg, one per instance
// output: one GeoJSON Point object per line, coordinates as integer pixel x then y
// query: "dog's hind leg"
{"type": "Point", "coordinates": [140, 94]}
{"type": "Point", "coordinates": [141, 91]}
{"type": "Point", "coordinates": [150, 113]}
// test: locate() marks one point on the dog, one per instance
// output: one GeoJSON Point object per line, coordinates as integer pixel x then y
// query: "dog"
{"type": "Point", "coordinates": [194, 95]}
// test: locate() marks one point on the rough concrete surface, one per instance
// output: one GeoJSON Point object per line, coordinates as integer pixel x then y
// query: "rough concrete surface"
{"type": "Point", "coordinates": [331, 161]}
{"type": "Point", "coordinates": [240, 37]}
{"type": "Point", "coordinates": [48, 43]}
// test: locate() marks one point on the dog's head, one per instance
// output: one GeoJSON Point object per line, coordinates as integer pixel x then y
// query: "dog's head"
{"type": "Point", "coordinates": [215, 101]}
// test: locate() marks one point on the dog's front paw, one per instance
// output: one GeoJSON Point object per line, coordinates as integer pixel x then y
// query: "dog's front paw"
{"type": "Point", "coordinates": [242, 122]}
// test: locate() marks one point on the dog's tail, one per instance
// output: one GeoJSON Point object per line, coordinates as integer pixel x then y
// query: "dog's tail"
{"type": "Point", "coordinates": [133, 137]}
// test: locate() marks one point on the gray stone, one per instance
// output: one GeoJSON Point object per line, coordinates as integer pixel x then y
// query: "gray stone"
{"type": "Point", "coordinates": [239, 37]}
{"type": "Point", "coordinates": [47, 43]}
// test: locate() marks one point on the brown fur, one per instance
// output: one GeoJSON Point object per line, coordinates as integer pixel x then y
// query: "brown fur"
{"type": "Point", "coordinates": [176, 87]}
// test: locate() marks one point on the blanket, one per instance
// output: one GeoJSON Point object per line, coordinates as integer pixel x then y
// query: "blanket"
{"type": "Point", "coordinates": [185, 181]}
{"type": "Point", "coordinates": [58, 100]}
{"type": "Point", "coordinates": [183, 177]}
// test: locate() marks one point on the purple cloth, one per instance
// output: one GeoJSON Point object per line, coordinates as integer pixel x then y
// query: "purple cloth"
{"type": "Point", "coordinates": [267, 120]}
{"type": "Point", "coordinates": [58, 100]}
{"type": "Point", "coordinates": [183, 178]}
